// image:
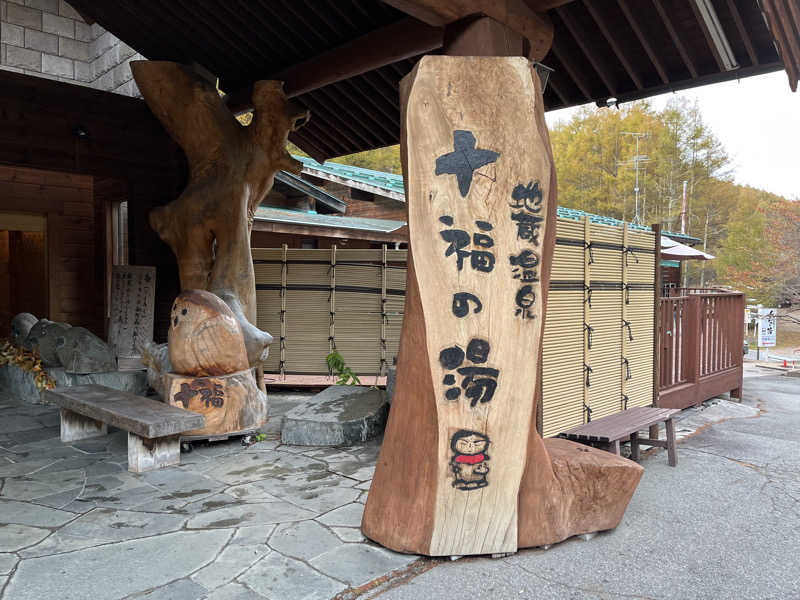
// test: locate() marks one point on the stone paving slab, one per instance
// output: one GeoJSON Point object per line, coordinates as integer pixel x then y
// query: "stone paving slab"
{"type": "Point", "coordinates": [358, 564]}
{"type": "Point", "coordinates": [16, 537]}
{"type": "Point", "coordinates": [116, 570]}
{"type": "Point", "coordinates": [304, 540]}
{"type": "Point", "coordinates": [278, 576]}
{"type": "Point", "coordinates": [230, 523]}
{"type": "Point", "coordinates": [7, 563]}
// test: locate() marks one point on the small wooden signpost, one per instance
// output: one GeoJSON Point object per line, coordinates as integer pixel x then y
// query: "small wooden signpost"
{"type": "Point", "coordinates": [462, 469]}
{"type": "Point", "coordinates": [133, 290]}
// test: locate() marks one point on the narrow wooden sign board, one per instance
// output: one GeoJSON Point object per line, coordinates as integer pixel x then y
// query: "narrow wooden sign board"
{"type": "Point", "coordinates": [461, 448]}
{"type": "Point", "coordinates": [133, 292]}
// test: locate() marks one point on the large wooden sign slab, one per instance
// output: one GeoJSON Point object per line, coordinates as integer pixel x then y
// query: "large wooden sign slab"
{"type": "Point", "coordinates": [462, 469]}
{"type": "Point", "coordinates": [133, 291]}
{"type": "Point", "coordinates": [478, 216]}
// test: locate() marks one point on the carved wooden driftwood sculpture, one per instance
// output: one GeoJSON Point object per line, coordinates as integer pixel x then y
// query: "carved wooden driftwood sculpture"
{"type": "Point", "coordinates": [231, 170]}
{"type": "Point", "coordinates": [462, 469]}
{"type": "Point", "coordinates": [210, 369]}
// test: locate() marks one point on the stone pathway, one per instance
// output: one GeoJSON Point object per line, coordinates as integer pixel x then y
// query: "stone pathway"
{"type": "Point", "coordinates": [268, 521]}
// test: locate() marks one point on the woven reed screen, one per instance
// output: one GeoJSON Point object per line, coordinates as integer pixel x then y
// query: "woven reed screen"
{"type": "Point", "coordinates": [313, 300]}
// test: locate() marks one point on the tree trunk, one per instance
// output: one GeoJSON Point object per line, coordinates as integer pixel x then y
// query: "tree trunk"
{"type": "Point", "coordinates": [232, 169]}
{"type": "Point", "coordinates": [462, 469]}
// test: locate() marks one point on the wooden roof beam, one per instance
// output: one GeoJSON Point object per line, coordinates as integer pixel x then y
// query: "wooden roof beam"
{"type": "Point", "coordinates": [662, 73]}
{"type": "Point", "coordinates": [392, 43]}
{"type": "Point", "coordinates": [578, 81]}
{"type": "Point", "coordinates": [781, 28]}
{"type": "Point", "coordinates": [748, 43]}
{"type": "Point", "coordinates": [551, 84]}
{"type": "Point", "coordinates": [612, 41]}
{"type": "Point", "coordinates": [580, 37]}
{"type": "Point", "coordinates": [526, 17]}
{"type": "Point", "coordinates": [676, 39]}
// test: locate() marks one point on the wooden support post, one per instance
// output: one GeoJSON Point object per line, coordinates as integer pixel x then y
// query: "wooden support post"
{"type": "Point", "coordinates": [383, 311]}
{"type": "Point", "coordinates": [656, 313]}
{"type": "Point", "coordinates": [625, 366]}
{"type": "Point", "coordinates": [332, 329]}
{"type": "Point", "coordinates": [635, 446]}
{"type": "Point", "coordinates": [671, 451]}
{"type": "Point", "coordinates": [75, 426]}
{"type": "Point", "coordinates": [462, 469]}
{"type": "Point", "coordinates": [657, 339]}
{"type": "Point", "coordinates": [284, 276]}
{"type": "Point", "coordinates": [150, 454]}
{"type": "Point", "coordinates": [587, 316]}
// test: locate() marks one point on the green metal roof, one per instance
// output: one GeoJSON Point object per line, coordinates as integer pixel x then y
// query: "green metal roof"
{"type": "Point", "coordinates": [579, 215]}
{"type": "Point", "coordinates": [296, 217]}
{"type": "Point", "coordinates": [394, 183]}
{"type": "Point", "coordinates": [378, 179]}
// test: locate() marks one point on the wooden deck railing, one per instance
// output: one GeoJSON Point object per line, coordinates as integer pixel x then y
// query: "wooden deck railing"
{"type": "Point", "coordinates": [700, 346]}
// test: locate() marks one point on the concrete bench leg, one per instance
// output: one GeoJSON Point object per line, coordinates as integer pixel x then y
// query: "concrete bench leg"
{"type": "Point", "coordinates": [149, 454]}
{"type": "Point", "coordinates": [75, 426]}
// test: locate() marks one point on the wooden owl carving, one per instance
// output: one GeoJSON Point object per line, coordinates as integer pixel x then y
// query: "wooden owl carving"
{"type": "Point", "coordinates": [205, 339]}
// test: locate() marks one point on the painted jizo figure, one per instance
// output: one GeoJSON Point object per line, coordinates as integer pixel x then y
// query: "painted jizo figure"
{"type": "Point", "coordinates": [469, 459]}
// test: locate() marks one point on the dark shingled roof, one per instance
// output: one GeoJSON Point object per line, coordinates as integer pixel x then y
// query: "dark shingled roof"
{"type": "Point", "coordinates": [627, 49]}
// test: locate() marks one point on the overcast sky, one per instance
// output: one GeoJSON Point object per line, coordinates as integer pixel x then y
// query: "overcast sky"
{"type": "Point", "coordinates": [757, 119]}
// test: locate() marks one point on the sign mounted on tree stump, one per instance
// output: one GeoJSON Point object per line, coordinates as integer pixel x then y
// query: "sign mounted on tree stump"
{"type": "Point", "coordinates": [461, 448]}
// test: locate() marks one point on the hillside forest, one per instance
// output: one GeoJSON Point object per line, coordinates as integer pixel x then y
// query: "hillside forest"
{"type": "Point", "coordinates": [755, 235]}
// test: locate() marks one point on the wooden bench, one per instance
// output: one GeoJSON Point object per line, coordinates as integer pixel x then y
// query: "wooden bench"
{"type": "Point", "coordinates": [609, 431]}
{"type": "Point", "coordinates": [153, 427]}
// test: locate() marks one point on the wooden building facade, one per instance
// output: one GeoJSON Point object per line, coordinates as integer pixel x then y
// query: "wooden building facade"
{"type": "Point", "coordinates": [70, 158]}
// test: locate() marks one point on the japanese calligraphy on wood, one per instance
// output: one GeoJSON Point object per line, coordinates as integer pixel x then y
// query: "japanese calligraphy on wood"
{"type": "Point", "coordinates": [462, 469]}
{"type": "Point", "coordinates": [230, 403]}
{"type": "Point", "coordinates": [132, 300]}
{"type": "Point", "coordinates": [469, 144]}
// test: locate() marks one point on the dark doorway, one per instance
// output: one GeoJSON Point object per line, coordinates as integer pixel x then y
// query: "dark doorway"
{"type": "Point", "coordinates": [23, 271]}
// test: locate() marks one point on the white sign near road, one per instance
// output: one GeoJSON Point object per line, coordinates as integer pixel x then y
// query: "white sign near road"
{"type": "Point", "coordinates": [767, 327]}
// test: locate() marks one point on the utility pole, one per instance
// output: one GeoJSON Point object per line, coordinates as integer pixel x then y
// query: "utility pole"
{"type": "Point", "coordinates": [683, 208]}
{"type": "Point", "coordinates": [638, 158]}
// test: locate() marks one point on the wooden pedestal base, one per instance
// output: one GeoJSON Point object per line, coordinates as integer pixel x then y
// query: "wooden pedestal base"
{"type": "Point", "coordinates": [230, 403]}
{"type": "Point", "coordinates": [462, 469]}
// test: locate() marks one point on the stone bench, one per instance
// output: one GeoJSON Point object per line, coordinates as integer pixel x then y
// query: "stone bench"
{"type": "Point", "coordinates": [153, 427]}
{"type": "Point", "coordinates": [609, 431]}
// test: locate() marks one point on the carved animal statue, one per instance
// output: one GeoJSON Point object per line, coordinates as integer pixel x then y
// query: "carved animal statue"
{"type": "Point", "coordinates": [204, 336]}
{"type": "Point", "coordinates": [231, 170]}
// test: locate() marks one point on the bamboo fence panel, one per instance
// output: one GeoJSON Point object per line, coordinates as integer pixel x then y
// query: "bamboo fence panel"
{"type": "Point", "coordinates": [353, 300]}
